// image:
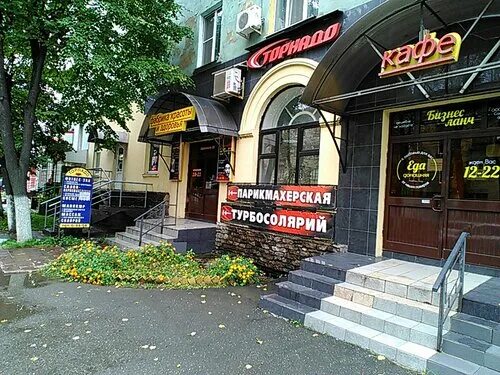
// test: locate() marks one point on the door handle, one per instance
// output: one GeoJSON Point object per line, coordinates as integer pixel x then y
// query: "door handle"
{"type": "Point", "coordinates": [437, 203]}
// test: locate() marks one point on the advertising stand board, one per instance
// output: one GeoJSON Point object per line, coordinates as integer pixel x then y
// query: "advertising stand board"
{"type": "Point", "coordinates": [76, 199]}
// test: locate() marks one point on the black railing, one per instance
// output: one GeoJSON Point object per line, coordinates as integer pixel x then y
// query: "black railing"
{"type": "Point", "coordinates": [451, 292]}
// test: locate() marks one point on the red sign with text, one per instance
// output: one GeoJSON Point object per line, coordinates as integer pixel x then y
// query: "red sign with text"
{"type": "Point", "coordinates": [284, 48]}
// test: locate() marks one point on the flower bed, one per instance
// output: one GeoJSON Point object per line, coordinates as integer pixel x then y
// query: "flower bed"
{"type": "Point", "coordinates": [150, 265]}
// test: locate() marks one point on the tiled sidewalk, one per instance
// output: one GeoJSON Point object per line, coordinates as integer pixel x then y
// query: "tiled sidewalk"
{"type": "Point", "coordinates": [26, 260]}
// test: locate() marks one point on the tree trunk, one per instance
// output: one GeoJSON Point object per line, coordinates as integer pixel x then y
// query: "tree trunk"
{"type": "Point", "coordinates": [22, 205]}
{"type": "Point", "coordinates": [11, 215]}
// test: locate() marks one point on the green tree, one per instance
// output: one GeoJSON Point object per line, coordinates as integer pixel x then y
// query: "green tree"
{"type": "Point", "coordinates": [65, 62]}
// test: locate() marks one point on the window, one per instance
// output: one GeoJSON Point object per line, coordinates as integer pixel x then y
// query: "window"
{"type": "Point", "coordinates": [289, 12]}
{"type": "Point", "coordinates": [210, 37]}
{"type": "Point", "coordinates": [154, 156]}
{"type": "Point", "coordinates": [97, 159]}
{"type": "Point", "coordinates": [289, 141]}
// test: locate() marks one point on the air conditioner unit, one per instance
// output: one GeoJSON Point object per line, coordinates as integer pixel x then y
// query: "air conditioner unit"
{"type": "Point", "coordinates": [228, 83]}
{"type": "Point", "coordinates": [248, 21]}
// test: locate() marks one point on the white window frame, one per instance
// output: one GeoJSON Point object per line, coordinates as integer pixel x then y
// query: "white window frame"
{"type": "Point", "coordinates": [201, 40]}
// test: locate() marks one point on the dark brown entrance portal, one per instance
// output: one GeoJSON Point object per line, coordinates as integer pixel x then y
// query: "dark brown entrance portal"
{"type": "Point", "coordinates": [444, 178]}
{"type": "Point", "coordinates": [203, 190]}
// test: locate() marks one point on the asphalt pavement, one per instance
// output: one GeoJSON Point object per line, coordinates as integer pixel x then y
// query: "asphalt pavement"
{"type": "Point", "coordinates": [69, 328]}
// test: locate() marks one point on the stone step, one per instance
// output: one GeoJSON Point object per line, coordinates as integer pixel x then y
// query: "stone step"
{"type": "Point", "coordinates": [402, 328]}
{"type": "Point", "coordinates": [335, 265]}
{"type": "Point", "coordinates": [406, 308]}
{"type": "Point", "coordinates": [395, 285]}
{"type": "Point", "coordinates": [405, 353]}
{"type": "Point", "coordinates": [158, 237]}
{"type": "Point", "coordinates": [285, 307]}
{"type": "Point", "coordinates": [478, 328]}
{"type": "Point", "coordinates": [445, 364]}
{"type": "Point", "coordinates": [302, 294]}
{"type": "Point", "coordinates": [134, 240]}
{"type": "Point", "coordinates": [472, 350]}
{"type": "Point", "coordinates": [313, 280]}
{"type": "Point", "coordinates": [122, 245]}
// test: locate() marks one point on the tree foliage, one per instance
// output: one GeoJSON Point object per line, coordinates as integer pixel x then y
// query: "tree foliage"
{"type": "Point", "coordinates": [85, 62]}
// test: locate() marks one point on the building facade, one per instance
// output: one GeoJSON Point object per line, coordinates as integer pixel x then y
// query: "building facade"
{"type": "Point", "coordinates": [257, 146]}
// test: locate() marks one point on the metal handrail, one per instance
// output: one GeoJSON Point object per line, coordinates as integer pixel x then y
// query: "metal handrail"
{"type": "Point", "coordinates": [161, 220]}
{"type": "Point", "coordinates": [446, 297]}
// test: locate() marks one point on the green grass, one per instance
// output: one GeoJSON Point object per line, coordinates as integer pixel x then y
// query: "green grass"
{"type": "Point", "coordinates": [37, 222]}
{"type": "Point", "coordinates": [64, 241]}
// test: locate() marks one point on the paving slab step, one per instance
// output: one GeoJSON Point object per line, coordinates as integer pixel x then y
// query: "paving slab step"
{"type": "Point", "coordinates": [313, 280]}
{"type": "Point", "coordinates": [405, 353]}
{"type": "Point", "coordinates": [302, 294]}
{"type": "Point", "coordinates": [478, 328]}
{"type": "Point", "coordinates": [133, 239]}
{"type": "Point", "coordinates": [335, 265]}
{"type": "Point", "coordinates": [151, 235]}
{"type": "Point", "coordinates": [465, 347]}
{"type": "Point", "coordinates": [406, 308]}
{"type": "Point", "coordinates": [394, 285]}
{"type": "Point", "coordinates": [397, 326]}
{"type": "Point", "coordinates": [445, 364]}
{"type": "Point", "coordinates": [285, 307]}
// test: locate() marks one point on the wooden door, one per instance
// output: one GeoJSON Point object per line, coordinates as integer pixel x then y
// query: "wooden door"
{"type": "Point", "coordinates": [203, 190]}
{"type": "Point", "coordinates": [443, 180]}
{"type": "Point", "coordinates": [415, 200]}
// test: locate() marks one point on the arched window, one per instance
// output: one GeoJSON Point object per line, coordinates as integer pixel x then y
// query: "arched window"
{"type": "Point", "coordinates": [289, 141]}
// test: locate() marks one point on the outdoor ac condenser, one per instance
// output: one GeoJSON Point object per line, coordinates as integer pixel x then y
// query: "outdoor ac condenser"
{"type": "Point", "coordinates": [228, 84]}
{"type": "Point", "coordinates": [249, 21]}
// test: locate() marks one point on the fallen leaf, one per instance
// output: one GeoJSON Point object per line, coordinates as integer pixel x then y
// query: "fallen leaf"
{"type": "Point", "coordinates": [44, 345]}
{"type": "Point", "coordinates": [152, 347]}
{"type": "Point", "coordinates": [315, 335]}
{"type": "Point", "coordinates": [260, 342]}
{"type": "Point", "coordinates": [124, 320]}
{"type": "Point", "coordinates": [233, 294]}
{"type": "Point", "coordinates": [145, 346]}
{"type": "Point", "coordinates": [108, 291]}
{"type": "Point", "coordinates": [193, 333]}
{"type": "Point", "coordinates": [33, 346]}
{"type": "Point", "coordinates": [155, 359]}
{"type": "Point", "coordinates": [264, 289]}
{"type": "Point", "coordinates": [89, 309]}
{"type": "Point", "coordinates": [27, 330]}
{"type": "Point", "coordinates": [203, 296]}
{"type": "Point", "coordinates": [265, 311]}
{"type": "Point", "coordinates": [248, 367]}
{"type": "Point", "coordinates": [78, 287]}
{"type": "Point", "coordinates": [203, 301]}
{"type": "Point", "coordinates": [76, 338]}
{"type": "Point", "coordinates": [68, 324]}
{"type": "Point", "coordinates": [87, 332]}
{"type": "Point", "coordinates": [86, 322]}
{"type": "Point", "coordinates": [42, 325]}
{"type": "Point", "coordinates": [34, 359]}
{"type": "Point", "coordinates": [4, 321]}
{"type": "Point", "coordinates": [380, 357]}
{"type": "Point", "coordinates": [222, 326]}
{"type": "Point", "coordinates": [209, 313]}
{"type": "Point", "coordinates": [239, 301]}
{"type": "Point", "coordinates": [60, 292]}
{"type": "Point", "coordinates": [178, 365]}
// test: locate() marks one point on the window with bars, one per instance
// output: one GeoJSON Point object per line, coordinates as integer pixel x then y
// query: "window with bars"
{"type": "Point", "coordinates": [289, 141]}
{"type": "Point", "coordinates": [210, 30]}
{"type": "Point", "coordinates": [289, 12]}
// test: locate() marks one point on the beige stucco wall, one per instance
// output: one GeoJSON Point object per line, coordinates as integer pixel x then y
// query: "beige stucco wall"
{"type": "Point", "coordinates": [288, 73]}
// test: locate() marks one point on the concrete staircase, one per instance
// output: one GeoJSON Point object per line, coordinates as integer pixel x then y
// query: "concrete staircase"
{"type": "Point", "coordinates": [386, 306]}
{"type": "Point", "coordinates": [184, 235]}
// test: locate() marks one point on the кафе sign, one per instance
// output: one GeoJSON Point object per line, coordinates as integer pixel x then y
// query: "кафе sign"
{"type": "Point", "coordinates": [427, 53]}
{"type": "Point", "coordinates": [299, 210]}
